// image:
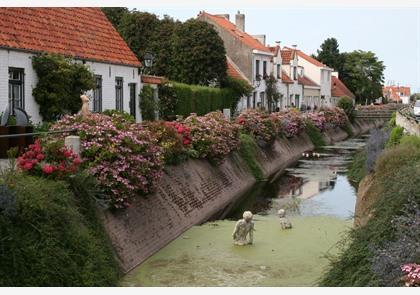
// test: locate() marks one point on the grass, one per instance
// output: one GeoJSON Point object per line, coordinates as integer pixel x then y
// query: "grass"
{"type": "Point", "coordinates": [248, 150]}
{"type": "Point", "coordinates": [357, 168]}
{"type": "Point", "coordinates": [347, 128]}
{"type": "Point", "coordinates": [314, 134]}
{"type": "Point", "coordinates": [53, 237]}
{"type": "Point", "coordinates": [396, 178]}
{"type": "Point", "coordinates": [395, 136]}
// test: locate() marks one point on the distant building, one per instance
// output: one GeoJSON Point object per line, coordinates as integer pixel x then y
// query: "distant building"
{"type": "Point", "coordinates": [398, 94]}
{"type": "Point", "coordinates": [339, 89]}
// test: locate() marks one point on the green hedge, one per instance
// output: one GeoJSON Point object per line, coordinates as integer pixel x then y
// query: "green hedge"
{"type": "Point", "coordinates": [50, 234]}
{"type": "Point", "coordinates": [183, 99]}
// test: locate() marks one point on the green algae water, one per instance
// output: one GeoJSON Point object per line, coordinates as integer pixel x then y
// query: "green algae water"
{"type": "Point", "coordinates": [319, 202]}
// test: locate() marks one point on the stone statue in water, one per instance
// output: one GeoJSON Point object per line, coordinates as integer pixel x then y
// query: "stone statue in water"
{"type": "Point", "coordinates": [243, 228]}
{"type": "Point", "coordinates": [284, 222]}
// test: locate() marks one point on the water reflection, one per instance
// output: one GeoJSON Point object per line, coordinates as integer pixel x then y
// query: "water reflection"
{"type": "Point", "coordinates": [315, 186]}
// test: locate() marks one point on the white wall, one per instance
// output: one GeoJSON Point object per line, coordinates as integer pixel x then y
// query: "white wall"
{"type": "Point", "coordinates": [11, 58]}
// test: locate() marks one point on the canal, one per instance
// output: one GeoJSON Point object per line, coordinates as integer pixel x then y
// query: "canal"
{"type": "Point", "coordinates": [319, 201]}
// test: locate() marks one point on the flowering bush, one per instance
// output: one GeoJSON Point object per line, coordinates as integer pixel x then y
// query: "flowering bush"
{"type": "Point", "coordinates": [173, 137]}
{"type": "Point", "coordinates": [412, 277]}
{"type": "Point", "coordinates": [335, 117]}
{"type": "Point", "coordinates": [212, 136]}
{"type": "Point", "coordinates": [52, 159]}
{"type": "Point", "coordinates": [124, 157]}
{"type": "Point", "coordinates": [317, 119]}
{"type": "Point", "coordinates": [258, 124]}
{"type": "Point", "coordinates": [291, 122]}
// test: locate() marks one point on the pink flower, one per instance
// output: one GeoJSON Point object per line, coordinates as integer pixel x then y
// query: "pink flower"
{"type": "Point", "coordinates": [47, 169]}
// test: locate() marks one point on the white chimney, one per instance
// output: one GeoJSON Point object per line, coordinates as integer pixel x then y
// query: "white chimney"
{"type": "Point", "coordinates": [334, 74]}
{"type": "Point", "coordinates": [260, 38]}
{"type": "Point", "coordinates": [240, 21]}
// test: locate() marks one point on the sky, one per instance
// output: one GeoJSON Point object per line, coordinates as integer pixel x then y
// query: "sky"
{"type": "Point", "coordinates": [392, 33]}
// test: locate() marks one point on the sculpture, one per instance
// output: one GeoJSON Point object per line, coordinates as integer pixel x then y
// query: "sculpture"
{"type": "Point", "coordinates": [84, 111]}
{"type": "Point", "coordinates": [243, 228]}
{"type": "Point", "coordinates": [284, 222]}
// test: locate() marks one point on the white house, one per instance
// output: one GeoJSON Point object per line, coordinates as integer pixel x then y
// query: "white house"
{"type": "Point", "coordinates": [84, 34]}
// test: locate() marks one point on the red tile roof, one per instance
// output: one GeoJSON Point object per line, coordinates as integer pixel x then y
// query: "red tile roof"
{"type": "Point", "coordinates": [152, 79]}
{"type": "Point", "coordinates": [285, 78]}
{"type": "Point", "coordinates": [303, 80]}
{"type": "Point", "coordinates": [82, 32]}
{"type": "Point", "coordinates": [394, 92]}
{"type": "Point", "coordinates": [274, 49]}
{"type": "Point", "coordinates": [238, 34]}
{"type": "Point", "coordinates": [339, 89]}
{"type": "Point", "coordinates": [307, 57]}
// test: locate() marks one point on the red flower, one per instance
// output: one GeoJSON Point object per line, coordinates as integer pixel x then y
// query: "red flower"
{"type": "Point", "coordinates": [67, 153]}
{"type": "Point", "coordinates": [77, 161]}
{"type": "Point", "coordinates": [48, 169]}
{"type": "Point", "coordinates": [40, 157]}
{"type": "Point", "coordinates": [27, 166]}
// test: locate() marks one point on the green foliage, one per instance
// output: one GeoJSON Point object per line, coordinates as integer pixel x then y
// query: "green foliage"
{"type": "Point", "coordinates": [330, 54]}
{"type": "Point", "coordinates": [395, 182]}
{"type": "Point", "coordinates": [393, 121]}
{"type": "Point", "coordinates": [198, 54]}
{"type": "Point", "coordinates": [394, 138]}
{"type": "Point", "coordinates": [410, 140]}
{"type": "Point", "coordinates": [248, 151]}
{"type": "Point", "coordinates": [125, 116]}
{"type": "Point", "coordinates": [346, 103]}
{"type": "Point", "coordinates": [314, 134]}
{"type": "Point", "coordinates": [357, 168]}
{"type": "Point", "coordinates": [60, 84]}
{"type": "Point", "coordinates": [348, 129]}
{"type": "Point", "coordinates": [363, 74]}
{"type": "Point", "coordinates": [148, 105]}
{"type": "Point", "coordinates": [183, 99]}
{"type": "Point", "coordinates": [54, 238]}
{"type": "Point", "coordinates": [115, 14]}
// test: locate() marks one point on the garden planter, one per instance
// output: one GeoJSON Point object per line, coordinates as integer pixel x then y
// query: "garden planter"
{"type": "Point", "coordinates": [4, 142]}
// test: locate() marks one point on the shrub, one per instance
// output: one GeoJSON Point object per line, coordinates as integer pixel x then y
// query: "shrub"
{"type": "Point", "coordinates": [60, 83]}
{"type": "Point", "coordinates": [291, 122]}
{"type": "Point", "coordinates": [314, 134]}
{"type": "Point", "coordinates": [49, 159]}
{"type": "Point", "coordinates": [392, 122]}
{"type": "Point", "coordinates": [49, 240]}
{"type": "Point", "coordinates": [411, 140]}
{"type": "Point", "coordinates": [357, 168]}
{"type": "Point", "coordinates": [346, 103]}
{"type": "Point", "coordinates": [120, 114]}
{"type": "Point", "coordinates": [174, 139]}
{"type": "Point", "coordinates": [412, 277]}
{"type": "Point", "coordinates": [123, 156]}
{"type": "Point", "coordinates": [248, 150]}
{"type": "Point", "coordinates": [259, 125]}
{"type": "Point", "coordinates": [316, 118]}
{"type": "Point", "coordinates": [395, 136]}
{"type": "Point", "coordinates": [148, 105]}
{"type": "Point", "coordinates": [212, 136]}
{"type": "Point", "coordinates": [334, 117]}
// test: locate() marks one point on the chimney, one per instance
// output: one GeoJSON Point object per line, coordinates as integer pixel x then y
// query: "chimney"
{"type": "Point", "coordinates": [226, 16]}
{"type": "Point", "coordinates": [240, 21]}
{"type": "Point", "coordinates": [260, 38]}
{"type": "Point", "coordinates": [335, 74]}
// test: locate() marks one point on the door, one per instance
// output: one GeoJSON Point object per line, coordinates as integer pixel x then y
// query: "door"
{"type": "Point", "coordinates": [132, 99]}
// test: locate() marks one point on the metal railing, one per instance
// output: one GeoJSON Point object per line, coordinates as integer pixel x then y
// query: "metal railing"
{"type": "Point", "coordinates": [37, 133]}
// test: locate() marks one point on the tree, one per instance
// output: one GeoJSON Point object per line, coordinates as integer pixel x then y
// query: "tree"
{"type": "Point", "coordinates": [271, 91]}
{"type": "Point", "coordinates": [115, 14]}
{"type": "Point", "coordinates": [198, 54]}
{"type": "Point", "coordinates": [60, 84]}
{"type": "Point", "coordinates": [330, 54]}
{"type": "Point", "coordinates": [363, 74]}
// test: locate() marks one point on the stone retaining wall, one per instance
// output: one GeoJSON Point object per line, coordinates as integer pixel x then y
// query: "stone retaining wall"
{"type": "Point", "coordinates": [192, 192]}
{"type": "Point", "coordinates": [408, 123]}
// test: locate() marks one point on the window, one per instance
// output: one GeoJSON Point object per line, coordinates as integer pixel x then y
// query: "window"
{"type": "Point", "coordinates": [297, 101]}
{"type": "Point", "coordinates": [262, 96]}
{"type": "Point", "coordinates": [119, 105]}
{"type": "Point", "coordinates": [16, 89]}
{"type": "Point", "coordinates": [264, 69]}
{"type": "Point", "coordinates": [97, 95]}
{"type": "Point", "coordinates": [132, 99]}
{"type": "Point", "coordinates": [257, 68]}
{"type": "Point", "coordinates": [248, 102]}
{"type": "Point", "coordinates": [294, 73]}
{"type": "Point", "coordinates": [278, 71]}
{"type": "Point", "coordinates": [254, 98]}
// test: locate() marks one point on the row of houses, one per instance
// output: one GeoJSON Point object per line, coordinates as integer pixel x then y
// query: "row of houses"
{"type": "Point", "coordinates": [87, 36]}
{"type": "Point", "coordinates": [302, 81]}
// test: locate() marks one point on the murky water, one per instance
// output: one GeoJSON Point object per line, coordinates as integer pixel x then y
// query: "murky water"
{"type": "Point", "coordinates": [319, 202]}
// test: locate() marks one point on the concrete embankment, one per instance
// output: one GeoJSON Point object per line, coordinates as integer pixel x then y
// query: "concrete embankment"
{"type": "Point", "coordinates": [192, 192]}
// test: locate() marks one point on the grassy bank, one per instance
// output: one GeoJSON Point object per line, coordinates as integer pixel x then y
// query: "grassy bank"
{"type": "Point", "coordinates": [51, 235]}
{"type": "Point", "coordinates": [375, 252]}
{"type": "Point", "coordinates": [248, 152]}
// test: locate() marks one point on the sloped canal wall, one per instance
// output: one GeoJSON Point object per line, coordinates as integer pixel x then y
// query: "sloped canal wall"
{"type": "Point", "coordinates": [192, 192]}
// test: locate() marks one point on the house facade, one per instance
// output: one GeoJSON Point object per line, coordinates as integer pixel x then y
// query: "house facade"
{"type": "Point", "coordinates": [398, 94]}
{"type": "Point", "coordinates": [85, 35]}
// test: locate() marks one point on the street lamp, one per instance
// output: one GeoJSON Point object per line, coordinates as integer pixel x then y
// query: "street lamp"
{"type": "Point", "coordinates": [148, 62]}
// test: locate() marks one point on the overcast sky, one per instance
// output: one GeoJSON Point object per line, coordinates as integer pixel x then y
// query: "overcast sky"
{"type": "Point", "coordinates": [392, 33]}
